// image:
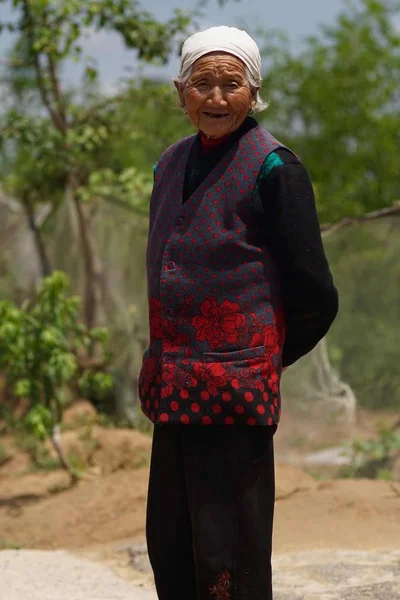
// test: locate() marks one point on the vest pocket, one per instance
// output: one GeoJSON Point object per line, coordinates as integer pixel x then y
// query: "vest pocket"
{"type": "Point", "coordinates": [236, 355]}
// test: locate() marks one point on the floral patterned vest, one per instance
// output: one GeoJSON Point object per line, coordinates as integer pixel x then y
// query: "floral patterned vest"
{"type": "Point", "coordinates": [216, 322]}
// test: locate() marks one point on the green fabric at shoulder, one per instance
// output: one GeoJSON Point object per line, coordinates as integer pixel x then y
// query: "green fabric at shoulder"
{"type": "Point", "coordinates": [272, 161]}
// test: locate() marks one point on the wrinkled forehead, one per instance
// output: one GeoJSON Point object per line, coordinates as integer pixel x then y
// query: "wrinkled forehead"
{"type": "Point", "coordinates": [219, 63]}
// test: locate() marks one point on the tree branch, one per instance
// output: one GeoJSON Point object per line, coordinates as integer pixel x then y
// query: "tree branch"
{"type": "Point", "coordinates": [142, 212]}
{"type": "Point", "coordinates": [43, 91]}
{"type": "Point", "coordinates": [59, 98]}
{"type": "Point", "coordinates": [394, 210]}
{"type": "Point", "coordinates": [55, 117]}
{"type": "Point", "coordinates": [44, 260]}
{"type": "Point", "coordinates": [106, 103]}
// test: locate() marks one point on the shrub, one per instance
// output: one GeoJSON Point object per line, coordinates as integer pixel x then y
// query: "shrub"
{"type": "Point", "coordinates": [374, 459]}
{"type": "Point", "coordinates": [44, 350]}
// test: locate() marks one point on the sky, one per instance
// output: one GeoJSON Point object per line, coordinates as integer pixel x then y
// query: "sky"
{"type": "Point", "coordinates": [297, 18]}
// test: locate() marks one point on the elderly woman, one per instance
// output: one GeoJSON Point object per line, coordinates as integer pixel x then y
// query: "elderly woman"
{"type": "Point", "coordinates": [239, 288]}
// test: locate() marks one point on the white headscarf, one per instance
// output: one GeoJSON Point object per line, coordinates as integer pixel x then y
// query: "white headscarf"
{"type": "Point", "coordinates": [222, 39]}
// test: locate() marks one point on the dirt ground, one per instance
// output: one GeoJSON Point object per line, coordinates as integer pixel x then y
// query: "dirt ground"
{"type": "Point", "coordinates": [105, 512]}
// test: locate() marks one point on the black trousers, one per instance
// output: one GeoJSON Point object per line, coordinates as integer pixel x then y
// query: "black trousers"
{"type": "Point", "coordinates": [210, 512]}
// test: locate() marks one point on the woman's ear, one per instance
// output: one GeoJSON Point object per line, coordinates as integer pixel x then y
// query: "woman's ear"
{"type": "Point", "coordinates": [254, 92]}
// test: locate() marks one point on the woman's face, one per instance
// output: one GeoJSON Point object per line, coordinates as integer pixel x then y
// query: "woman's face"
{"type": "Point", "coordinates": [217, 96]}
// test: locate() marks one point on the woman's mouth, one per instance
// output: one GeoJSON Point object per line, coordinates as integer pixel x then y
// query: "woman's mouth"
{"type": "Point", "coordinates": [216, 115]}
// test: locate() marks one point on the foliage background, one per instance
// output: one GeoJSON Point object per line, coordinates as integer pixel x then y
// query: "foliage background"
{"type": "Point", "coordinates": [336, 103]}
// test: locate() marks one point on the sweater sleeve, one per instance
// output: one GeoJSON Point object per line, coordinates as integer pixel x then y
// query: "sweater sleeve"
{"type": "Point", "coordinates": [286, 202]}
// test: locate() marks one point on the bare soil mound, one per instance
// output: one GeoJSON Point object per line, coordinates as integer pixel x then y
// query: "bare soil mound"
{"type": "Point", "coordinates": [107, 508]}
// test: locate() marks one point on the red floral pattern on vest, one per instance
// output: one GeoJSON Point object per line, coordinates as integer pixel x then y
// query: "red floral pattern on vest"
{"type": "Point", "coordinates": [216, 322]}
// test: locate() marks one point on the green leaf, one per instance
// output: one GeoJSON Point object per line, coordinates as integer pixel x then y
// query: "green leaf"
{"type": "Point", "coordinates": [91, 74]}
{"type": "Point", "coordinates": [39, 420]}
{"type": "Point", "coordinates": [22, 388]}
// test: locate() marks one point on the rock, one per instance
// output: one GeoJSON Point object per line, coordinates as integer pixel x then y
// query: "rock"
{"type": "Point", "coordinates": [336, 457]}
{"type": "Point", "coordinates": [319, 575]}
{"type": "Point", "coordinates": [328, 575]}
{"type": "Point", "coordinates": [138, 557]}
{"type": "Point", "coordinates": [39, 575]}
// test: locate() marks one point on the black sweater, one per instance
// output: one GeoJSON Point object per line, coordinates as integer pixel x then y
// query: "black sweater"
{"type": "Point", "coordinates": [285, 204]}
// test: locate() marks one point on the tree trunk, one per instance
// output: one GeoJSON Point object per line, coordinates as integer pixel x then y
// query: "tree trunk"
{"type": "Point", "coordinates": [92, 304]}
{"type": "Point", "coordinates": [56, 441]}
{"type": "Point", "coordinates": [331, 388]}
{"type": "Point", "coordinates": [44, 260]}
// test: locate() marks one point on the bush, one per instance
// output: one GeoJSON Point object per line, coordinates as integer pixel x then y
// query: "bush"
{"type": "Point", "coordinates": [45, 352]}
{"type": "Point", "coordinates": [374, 459]}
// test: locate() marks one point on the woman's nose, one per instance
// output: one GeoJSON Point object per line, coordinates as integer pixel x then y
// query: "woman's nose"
{"type": "Point", "coordinates": [216, 96]}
